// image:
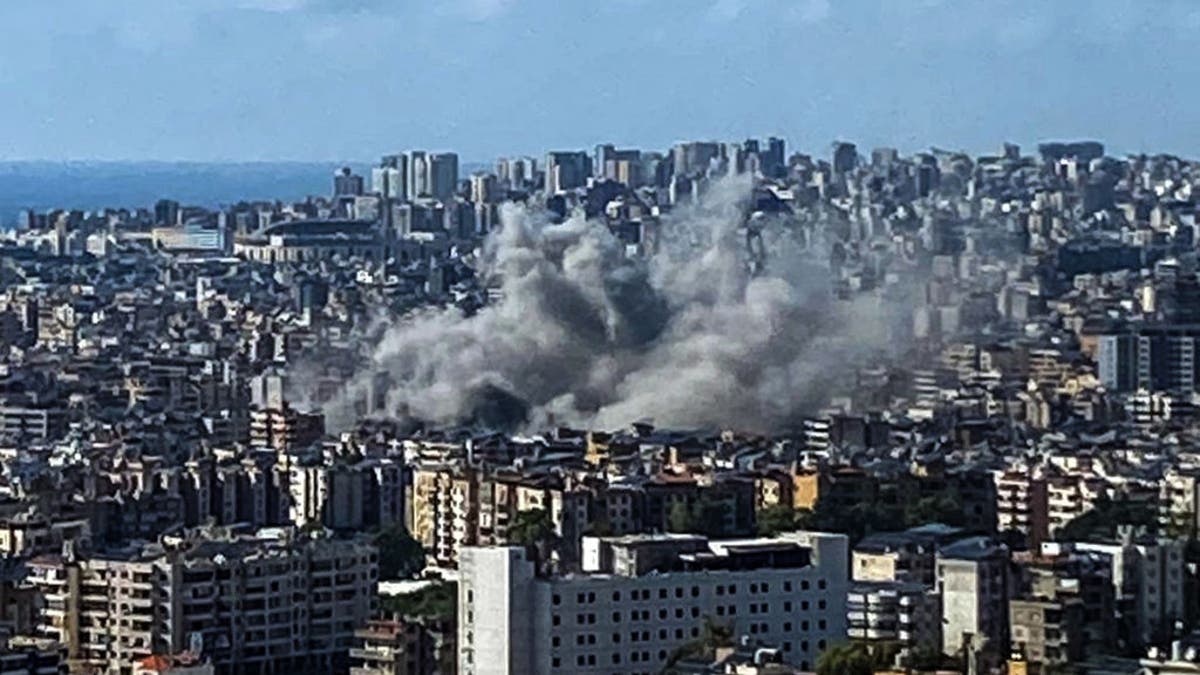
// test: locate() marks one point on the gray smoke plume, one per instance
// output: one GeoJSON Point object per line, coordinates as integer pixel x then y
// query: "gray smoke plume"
{"type": "Point", "coordinates": [586, 335]}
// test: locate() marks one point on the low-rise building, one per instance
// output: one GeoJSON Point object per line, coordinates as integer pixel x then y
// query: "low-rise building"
{"type": "Point", "coordinates": [1047, 632]}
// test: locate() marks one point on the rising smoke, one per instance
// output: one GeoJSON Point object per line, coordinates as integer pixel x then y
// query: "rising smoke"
{"type": "Point", "coordinates": [689, 337]}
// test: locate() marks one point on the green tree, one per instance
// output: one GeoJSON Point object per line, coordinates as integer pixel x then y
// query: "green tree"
{"type": "Point", "coordinates": [704, 516]}
{"type": "Point", "coordinates": [775, 519]}
{"type": "Point", "coordinates": [1106, 517]}
{"type": "Point", "coordinates": [400, 556]}
{"type": "Point", "coordinates": [532, 527]}
{"type": "Point", "coordinates": [437, 601]}
{"type": "Point", "coordinates": [945, 507]}
{"type": "Point", "coordinates": [709, 517]}
{"type": "Point", "coordinates": [679, 518]}
{"type": "Point", "coordinates": [849, 658]}
{"type": "Point", "coordinates": [925, 657]}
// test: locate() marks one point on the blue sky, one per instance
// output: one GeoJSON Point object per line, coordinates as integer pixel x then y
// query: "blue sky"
{"type": "Point", "coordinates": [353, 79]}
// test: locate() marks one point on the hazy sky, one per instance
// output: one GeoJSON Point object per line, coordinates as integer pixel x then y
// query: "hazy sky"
{"type": "Point", "coordinates": [353, 79]}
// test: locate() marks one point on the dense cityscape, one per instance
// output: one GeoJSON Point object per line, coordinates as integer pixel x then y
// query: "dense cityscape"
{"type": "Point", "coordinates": [723, 408]}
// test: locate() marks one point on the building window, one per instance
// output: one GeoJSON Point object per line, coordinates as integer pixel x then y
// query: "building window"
{"type": "Point", "coordinates": [557, 599]}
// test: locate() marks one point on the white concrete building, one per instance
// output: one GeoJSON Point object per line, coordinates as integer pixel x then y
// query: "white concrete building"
{"type": "Point", "coordinates": [640, 597]}
{"type": "Point", "coordinates": [1149, 576]}
{"type": "Point", "coordinates": [972, 576]}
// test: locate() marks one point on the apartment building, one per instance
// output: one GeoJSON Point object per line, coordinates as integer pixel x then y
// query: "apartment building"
{"type": "Point", "coordinates": [404, 646]}
{"type": "Point", "coordinates": [1047, 631]}
{"type": "Point", "coordinates": [452, 508]}
{"type": "Point", "coordinates": [1021, 506]}
{"type": "Point", "coordinates": [345, 495]}
{"type": "Point", "coordinates": [908, 556]}
{"type": "Point", "coordinates": [23, 655]}
{"type": "Point", "coordinates": [285, 428]}
{"type": "Point", "coordinates": [1149, 577]}
{"type": "Point", "coordinates": [250, 603]}
{"type": "Point", "coordinates": [1179, 501]}
{"type": "Point", "coordinates": [905, 614]}
{"type": "Point", "coordinates": [972, 577]}
{"type": "Point", "coordinates": [1058, 572]}
{"type": "Point", "coordinates": [641, 597]}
